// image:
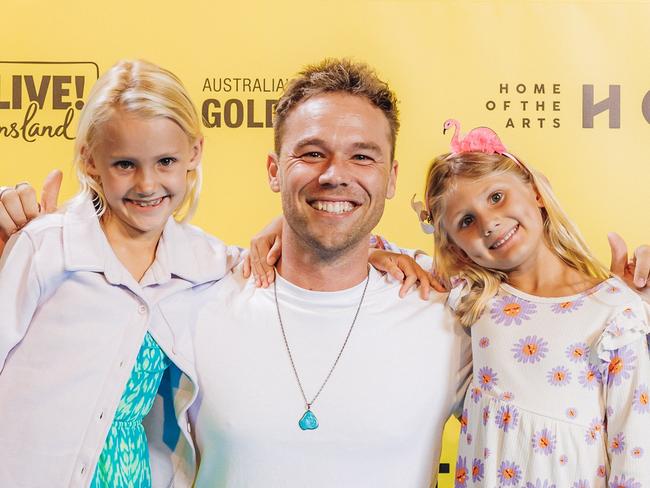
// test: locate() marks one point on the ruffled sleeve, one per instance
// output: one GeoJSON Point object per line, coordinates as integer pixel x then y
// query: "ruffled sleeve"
{"type": "Point", "coordinates": [625, 371]}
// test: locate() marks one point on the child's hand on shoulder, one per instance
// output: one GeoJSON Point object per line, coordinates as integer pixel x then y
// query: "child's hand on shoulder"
{"type": "Point", "coordinates": [405, 269]}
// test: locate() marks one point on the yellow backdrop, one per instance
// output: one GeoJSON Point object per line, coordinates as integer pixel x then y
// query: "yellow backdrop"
{"type": "Point", "coordinates": [565, 83]}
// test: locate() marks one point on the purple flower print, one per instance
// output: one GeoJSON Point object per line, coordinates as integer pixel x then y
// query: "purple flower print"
{"type": "Point", "coordinates": [581, 484]}
{"type": "Point", "coordinates": [617, 444]}
{"type": "Point", "coordinates": [486, 453]}
{"type": "Point", "coordinates": [613, 289]}
{"type": "Point", "coordinates": [486, 415]}
{"type": "Point", "coordinates": [559, 376]}
{"type": "Point", "coordinates": [577, 352]}
{"type": "Point", "coordinates": [477, 470]}
{"type": "Point", "coordinates": [476, 394]}
{"type": "Point", "coordinates": [461, 477]}
{"type": "Point", "coordinates": [621, 363]}
{"type": "Point", "coordinates": [641, 399]}
{"type": "Point", "coordinates": [540, 484]}
{"type": "Point", "coordinates": [487, 378]}
{"type": "Point", "coordinates": [629, 313]}
{"type": "Point", "coordinates": [590, 377]}
{"type": "Point", "coordinates": [506, 396]}
{"type": "Point", "coordinates": [595, 431]}
{"type": "Point", "coordinates": [484, 342]}
{"type": "Point", "coordinates": [509, 309]}
{"type": "Point", "coordinates": [531, 349]}
{"type": "Point", "coordinates": [571, 413]}
{"type": "Point", "coordinates": [507, 417]}
{"type": "Point", "coordinates": [544, 442]}
{"type": "Point", "coordinates": [637, 452]}
{"type": "Point", "coordinates": [509, 473]}
{"type": "Point", "coordinates": [623, 482]}
{"type": "Point", "coordinates": [564, 459]}
{"type": "Point", "coordinates": [601, 472]}
{"type": "Point", "coordinates": [567, 307]}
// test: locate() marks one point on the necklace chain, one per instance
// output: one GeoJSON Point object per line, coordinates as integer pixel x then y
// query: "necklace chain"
{"type": "Point", "coordinates": [308, 403]}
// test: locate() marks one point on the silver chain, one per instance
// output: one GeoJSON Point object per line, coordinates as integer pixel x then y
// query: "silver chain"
{"type": "Point", "coordinates": [308, 404]}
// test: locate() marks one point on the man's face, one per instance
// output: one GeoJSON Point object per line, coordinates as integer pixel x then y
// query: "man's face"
{"type": "Point", "coordinates": [334, 171]}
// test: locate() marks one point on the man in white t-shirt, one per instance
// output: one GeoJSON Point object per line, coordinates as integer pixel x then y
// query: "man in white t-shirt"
{"type": "Point", "coordinates": [327, 378]}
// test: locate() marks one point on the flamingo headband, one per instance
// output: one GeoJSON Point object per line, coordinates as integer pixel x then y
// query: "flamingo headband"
{"type": "Point", "coordinates": [480, 139]}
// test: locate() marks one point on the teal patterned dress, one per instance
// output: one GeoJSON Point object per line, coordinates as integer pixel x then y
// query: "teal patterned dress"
{"type": "Point", "coordinates": [124, 461]}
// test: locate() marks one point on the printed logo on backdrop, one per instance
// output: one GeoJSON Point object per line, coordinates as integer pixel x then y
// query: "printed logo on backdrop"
{"type": "Point", "coordinates": [234, 102]}
{"type": "Point", "coordinates": [42, 99]}
{"type": "Point", "coordinates": [539, 105]}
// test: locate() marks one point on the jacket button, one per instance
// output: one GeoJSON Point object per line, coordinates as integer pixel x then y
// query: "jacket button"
{"type": "Point", "coordinates": [142, 309]}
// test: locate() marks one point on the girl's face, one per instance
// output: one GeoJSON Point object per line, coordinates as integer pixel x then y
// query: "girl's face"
{"type": "Point", "coordinates": [496, 221]}
{"type": "Point", "coordinates": [142, 165]}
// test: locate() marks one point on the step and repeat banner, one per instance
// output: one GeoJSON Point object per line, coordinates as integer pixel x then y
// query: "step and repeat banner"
{"type": "Point", "coordinates": [566, 84]}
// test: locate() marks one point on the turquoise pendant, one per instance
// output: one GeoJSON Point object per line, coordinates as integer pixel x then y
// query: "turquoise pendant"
{"type": "Point", "coordinates": [308, 421]}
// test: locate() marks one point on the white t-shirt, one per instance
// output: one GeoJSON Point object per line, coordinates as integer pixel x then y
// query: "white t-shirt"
{"type": "Point", "coordinates": [381, 414]}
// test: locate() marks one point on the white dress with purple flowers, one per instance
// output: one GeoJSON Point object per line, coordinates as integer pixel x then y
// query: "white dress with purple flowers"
{"type": "Point", "coordinates": [560, 396]}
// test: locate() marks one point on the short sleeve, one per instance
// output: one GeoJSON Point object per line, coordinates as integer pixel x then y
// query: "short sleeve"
{"type": "Point", "coordinates": [625, 371]}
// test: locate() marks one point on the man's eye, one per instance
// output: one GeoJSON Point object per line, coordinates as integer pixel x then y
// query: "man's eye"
{"type": "Point", "coordinates": [496, 197]}
{"type": "Point", "coordinates": [167, 161]}
{"type": "Point", "coordinates": [466, 221]}
{"type": "Point", "coordinates": [362, 157]}
{"type": "Point", "coordinates": [124, 164]}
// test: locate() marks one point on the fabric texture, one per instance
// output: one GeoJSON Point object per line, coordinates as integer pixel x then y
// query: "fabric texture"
{"type": "Point", "coordinates": [560, 392]}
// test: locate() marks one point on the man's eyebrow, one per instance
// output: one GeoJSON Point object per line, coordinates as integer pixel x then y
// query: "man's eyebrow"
{"type": "Point", "coordinates": [368, 146]}
{"type": "Point", "coordinates": [310, 141]}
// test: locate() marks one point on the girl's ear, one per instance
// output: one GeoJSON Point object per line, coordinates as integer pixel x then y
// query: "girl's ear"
{"type": "Point", "coordinates": [89, 162]}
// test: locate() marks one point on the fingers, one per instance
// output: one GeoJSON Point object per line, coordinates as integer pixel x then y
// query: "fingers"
{"type": "Point", "coordinates": [409, 282]}
{"type": "Point", "coordinates": [28, 201]}
{"type": "Point", "coordinates": [246, 265]}
{"type": "Point", "coordinates": [51, 188]}
{"type": "Point", "coordinates": [7, 225]}
{"type": "Point", "coordinates": [437, 284]}
{"type": "Point", "coordinates": [642, 262]}
{"type": "Point", "coordinates": [275, 252]}
{"type": "Point", "coordinates": [619, 254]}
{"type": "Point", "coordinates": [13, 217]}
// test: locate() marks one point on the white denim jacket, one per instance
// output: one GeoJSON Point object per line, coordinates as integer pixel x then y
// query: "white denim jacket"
{"type": "Point", "coordinates": [72, 320]}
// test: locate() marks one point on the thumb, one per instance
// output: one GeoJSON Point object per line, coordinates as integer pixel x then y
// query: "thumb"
{"type": "Point", "coordinates": [619, 253]}
{"type": "Point", "coordinates": [51, 188]}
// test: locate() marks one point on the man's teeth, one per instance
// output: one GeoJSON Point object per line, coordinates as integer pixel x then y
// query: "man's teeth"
{"type": "Point", "coordinates": [333, 207]}
{"type": "Point", "coordinates": [147, 203]}
{"type": "Point", "coordinates": [505, 239]}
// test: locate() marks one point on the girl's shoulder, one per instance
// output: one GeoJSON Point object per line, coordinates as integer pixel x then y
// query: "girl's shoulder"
{"type": "Point", "coordinates": [628, 320]}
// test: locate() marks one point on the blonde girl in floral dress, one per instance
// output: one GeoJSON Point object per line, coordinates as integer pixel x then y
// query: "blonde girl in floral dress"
{"type": "Point", "coordinates": [560, 396]}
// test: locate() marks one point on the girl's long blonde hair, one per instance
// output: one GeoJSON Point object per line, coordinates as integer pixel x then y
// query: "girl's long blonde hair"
{"type": "Point", "coordinates": [561, 235]}
{"type": "Point", "coordinates": [141, 88]}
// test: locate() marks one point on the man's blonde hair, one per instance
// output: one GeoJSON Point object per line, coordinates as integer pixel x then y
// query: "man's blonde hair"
{"type": "Point", "coordinates": [141, 88]}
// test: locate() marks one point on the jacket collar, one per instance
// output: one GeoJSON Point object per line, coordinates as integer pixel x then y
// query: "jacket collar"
{"type": "Point", "coordinates": [182, 252]}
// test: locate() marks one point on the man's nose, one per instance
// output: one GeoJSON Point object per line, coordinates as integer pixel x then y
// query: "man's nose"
{"type": "Point", "coordinates": [335, 172]}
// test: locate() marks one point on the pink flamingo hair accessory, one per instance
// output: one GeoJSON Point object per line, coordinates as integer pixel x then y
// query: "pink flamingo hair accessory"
{"type": "Point", "coordinates": [479, 139]}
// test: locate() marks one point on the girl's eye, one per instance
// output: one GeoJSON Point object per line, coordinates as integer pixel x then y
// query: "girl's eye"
{"type": "Point", "coordinates": [496, 197]}
{"type": "Point", "coordinates": [167, 161]}
{"type": "Point", "coordinates": [466, 221]}
{"type": "Point", "coordinates": [124, 164]}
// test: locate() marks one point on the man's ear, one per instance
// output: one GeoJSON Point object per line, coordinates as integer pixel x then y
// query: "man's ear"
{"type": "Point", "coordinates": [392, 180]}
{"type": "Point", "coordinates": [273, 171]}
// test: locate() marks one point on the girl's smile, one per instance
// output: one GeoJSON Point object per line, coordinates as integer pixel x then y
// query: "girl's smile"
{"type": "Point", "coordinates": [495, 220]}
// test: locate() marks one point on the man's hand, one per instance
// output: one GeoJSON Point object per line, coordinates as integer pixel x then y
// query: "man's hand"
{"type": "Point", "coordinates": [635, 272]}
{"type": "Point", "coordinates": [19, 205]}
